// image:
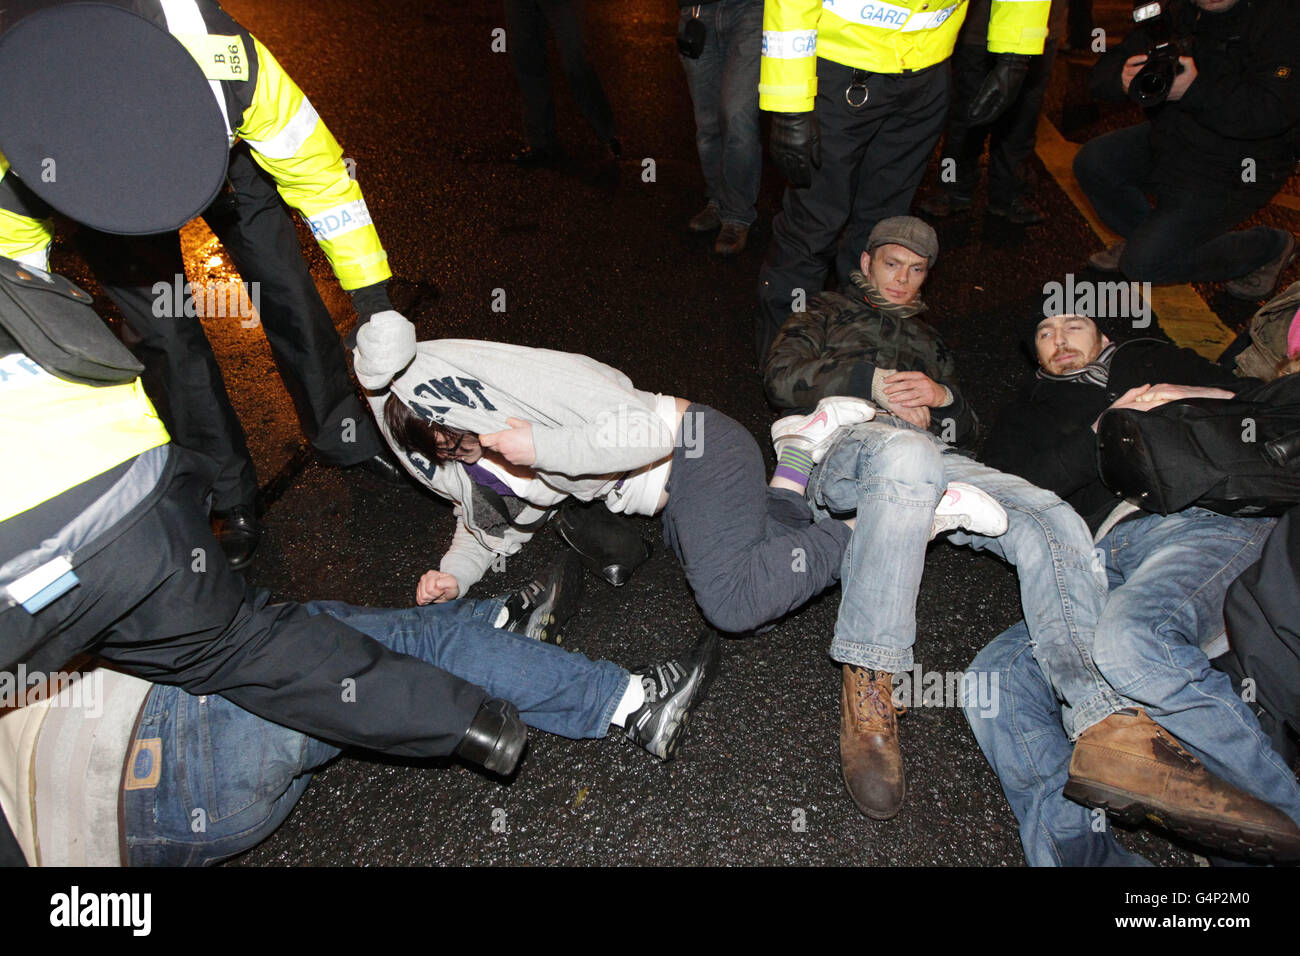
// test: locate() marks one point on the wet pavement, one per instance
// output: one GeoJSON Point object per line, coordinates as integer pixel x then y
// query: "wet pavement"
{"type": "Point", "coordinates": [594, 258]}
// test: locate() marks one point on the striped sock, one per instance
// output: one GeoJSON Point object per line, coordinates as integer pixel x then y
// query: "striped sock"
{"type": "Point", "coordinates": [795, 465]}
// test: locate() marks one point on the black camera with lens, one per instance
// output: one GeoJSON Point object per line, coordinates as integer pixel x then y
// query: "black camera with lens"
{"type": "Point", "coordinates": [1152, 84]}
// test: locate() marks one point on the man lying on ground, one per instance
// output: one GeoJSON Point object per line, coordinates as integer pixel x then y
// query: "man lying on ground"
{"type": "Point", "coordinates": [199, 780]}
{"type": "Point", "coordinates": [1185, 751]}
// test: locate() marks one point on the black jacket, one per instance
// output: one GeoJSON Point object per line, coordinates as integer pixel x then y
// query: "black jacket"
{"type": "Point", "coordinates": [1045, 435]}
{"type": "Point", "coordinates": [1244, 103]}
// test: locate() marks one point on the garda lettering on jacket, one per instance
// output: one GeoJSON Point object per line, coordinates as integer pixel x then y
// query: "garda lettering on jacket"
{"type": "Point", "coordinates": [789, 44]}
{"type": "Point", "coordinates": [340, 220]}
{"type": "Point", "coordinates": [873, 13]}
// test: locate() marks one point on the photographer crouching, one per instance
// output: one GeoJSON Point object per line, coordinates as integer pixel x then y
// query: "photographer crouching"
{"type": "Point", "coordinates": [1220, 83]}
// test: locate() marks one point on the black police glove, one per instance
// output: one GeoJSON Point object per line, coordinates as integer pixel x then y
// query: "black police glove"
{"type": "Point", "coordinates": [796, 146]}
{"type": "Point", "coordinates": [999, 88]}
{"type": "Point", "coordinates": [368, 300]}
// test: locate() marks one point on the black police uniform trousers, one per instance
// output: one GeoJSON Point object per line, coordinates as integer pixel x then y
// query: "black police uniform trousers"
{"type": "Point", "coordinates": [182, 376]}
{"type": "Point", "coordinates": [157, 599]}
{"type": "Point", "coordinates": [1011, 136]}
{"type": "Point", "coordinates": [874, 154]}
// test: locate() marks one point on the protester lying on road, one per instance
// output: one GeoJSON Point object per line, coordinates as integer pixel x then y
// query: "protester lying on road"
{"type": "Point", "coordinates": [1184, 751]}
{"type": "Point", "coordinates": [200, 780]}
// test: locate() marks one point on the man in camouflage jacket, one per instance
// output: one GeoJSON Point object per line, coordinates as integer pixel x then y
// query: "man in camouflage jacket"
{"type": "Point", "coordinates": [869, 341]}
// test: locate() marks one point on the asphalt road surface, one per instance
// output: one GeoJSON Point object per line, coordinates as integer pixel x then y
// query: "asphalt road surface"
{"type": "Point", "coordinates": [594, 258]}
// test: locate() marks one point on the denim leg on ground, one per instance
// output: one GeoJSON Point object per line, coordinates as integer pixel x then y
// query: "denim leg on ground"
{"type": "Point", "coordinates": [1062, 585]}
{"type": "Point", "coordinates": [745, 560]}
{"type": "Point", "coordinates": [203, 760]}
{"type": "Point", "coordinates": [558, 691]}
{"type": "Point", "coordinates": [1168, 579]}
{"type": "Point", "coordinates": [1022, 739]}
{"type": "Point", "coordinates": [892, 478]}
{"type": "Point", "coordinates": [724, 90]}
{"type": "Point", "coordinates": [245, 774]}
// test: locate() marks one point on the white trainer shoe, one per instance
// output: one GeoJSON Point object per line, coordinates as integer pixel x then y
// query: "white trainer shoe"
{"type": "Point", "coordinates": [813, 433]}
{"type": "Point", "coordinates": [965, 506]}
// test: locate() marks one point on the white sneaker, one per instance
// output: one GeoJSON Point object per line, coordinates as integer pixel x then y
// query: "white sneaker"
{"type": "Point", "coordinates": [813, 433]}
{"type": "Point", "coordinates": [968, 507]}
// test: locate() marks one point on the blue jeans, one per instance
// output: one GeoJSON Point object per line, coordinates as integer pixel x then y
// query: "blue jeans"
{"type": "Point", "coordinates": [1168, 577]}
{"type": "Point", "coordinates": [208, 780]}
{"type": "Point", "coordinates": [1029, 751]}
{"type": "Point", "coordinates": [724, 89]}
{"type": "Point", "coordinates": [892, 476]}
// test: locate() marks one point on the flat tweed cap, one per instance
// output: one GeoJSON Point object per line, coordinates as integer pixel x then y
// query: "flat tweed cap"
{"type": "Point", "coordinates": [108, 118]}
{"type": "Point", "coordinates": [909, 232]}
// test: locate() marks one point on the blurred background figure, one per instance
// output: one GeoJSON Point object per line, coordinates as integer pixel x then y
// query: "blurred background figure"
{"type": "Point", "coordinates": [526, 21]}
{"type": "Point", "coordinates": [720, 43]}
{"type": "Point", "coordinates": [1078, 36]}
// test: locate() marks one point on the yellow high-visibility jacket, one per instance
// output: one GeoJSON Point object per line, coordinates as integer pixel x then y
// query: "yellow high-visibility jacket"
{"type": "Point", "coordinates": [57, 434]}
{"type": "Point", "coordinates": [877, 36]}
{"type": "Point", "coordinates": [266, 109]}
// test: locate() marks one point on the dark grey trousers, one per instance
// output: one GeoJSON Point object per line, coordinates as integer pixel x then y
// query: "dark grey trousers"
{"type": "Point", "coordinates": [750, 553]}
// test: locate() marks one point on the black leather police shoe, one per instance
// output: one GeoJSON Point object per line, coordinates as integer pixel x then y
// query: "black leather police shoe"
{"type": "Point", "coordinates": [383, 467]}
{"type": "Point", "coordinates": [237, 531]}
{"type": "Point", "coordinates": [496, 737]}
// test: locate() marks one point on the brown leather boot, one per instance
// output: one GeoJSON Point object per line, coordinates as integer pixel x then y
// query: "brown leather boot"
{"type": "Point", "coordinates": [1133, 768]}
{"type": "Point", "coordinates": [869, 753]}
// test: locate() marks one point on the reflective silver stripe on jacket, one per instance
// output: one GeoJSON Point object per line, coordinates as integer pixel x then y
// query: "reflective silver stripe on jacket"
{"type": "Point", "coordinates": [107, 510]}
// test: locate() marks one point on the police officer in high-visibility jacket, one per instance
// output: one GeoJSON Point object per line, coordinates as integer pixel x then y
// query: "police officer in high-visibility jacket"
{"type": "Point", "coordinates": [105, 549]}
{"type": "Point", "coordinates": [90, 121]}
{"type": "Point", "coordinates": [858, 90]}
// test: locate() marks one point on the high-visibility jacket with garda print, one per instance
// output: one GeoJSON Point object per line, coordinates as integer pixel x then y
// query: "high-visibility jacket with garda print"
{"type": "Point", "coordinates": [876, 36]}
{"type": "Point", "coordinates": [266, 109]}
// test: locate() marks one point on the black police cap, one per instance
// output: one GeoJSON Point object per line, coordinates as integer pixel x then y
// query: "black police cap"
{"type": "Point", "coordinates": [108, 118]}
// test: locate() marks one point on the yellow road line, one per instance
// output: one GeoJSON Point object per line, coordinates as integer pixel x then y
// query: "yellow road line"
{"type": "Point", "coordinates": [1183, 314]}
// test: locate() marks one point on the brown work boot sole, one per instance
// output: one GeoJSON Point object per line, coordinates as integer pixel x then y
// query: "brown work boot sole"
{"type": "Point", "coordinates": [1132, 767]}
{"type": "Point", "coordinates": [1211, 832]}
{"type": "Point", "coordinates": [867, 809]}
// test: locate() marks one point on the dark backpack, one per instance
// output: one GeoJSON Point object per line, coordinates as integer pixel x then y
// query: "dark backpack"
{"type": "Point", "coordinates": [1237, 456]}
